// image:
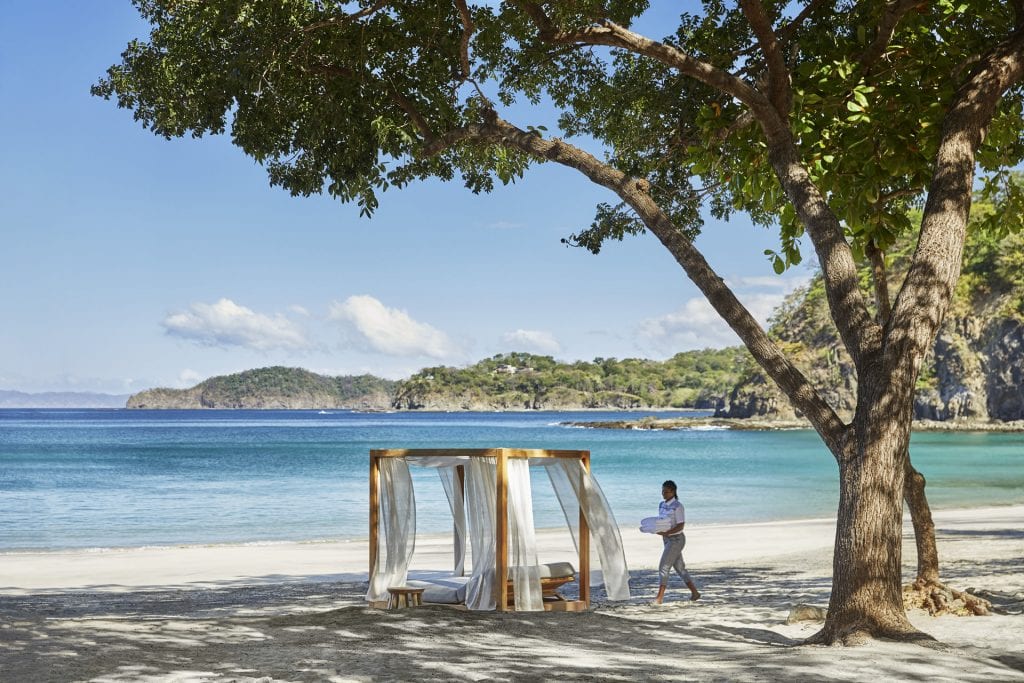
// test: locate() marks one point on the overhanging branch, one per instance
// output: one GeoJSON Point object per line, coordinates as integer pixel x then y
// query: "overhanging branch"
{"type": "Point", "coordinates": [634, 191]}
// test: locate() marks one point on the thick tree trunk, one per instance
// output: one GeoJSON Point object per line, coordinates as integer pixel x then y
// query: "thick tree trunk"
{"type": "Point", "coordinates": [867, 595]}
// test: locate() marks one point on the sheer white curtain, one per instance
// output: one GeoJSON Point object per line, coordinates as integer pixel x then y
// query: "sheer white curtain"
{"type": "Point", "coordinates": [481, 498]}
{"type": "Point", "coordinates": [576, 489]}
{"type": "Point", "coordinates": [523, 568]}
{"type": "Point", "coordinates": [453, 489]}
{"type": "Point", "coordinates": [396, 540]}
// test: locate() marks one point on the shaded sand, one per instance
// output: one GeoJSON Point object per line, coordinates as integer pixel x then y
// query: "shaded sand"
{"type": "Point", "coordinates": [294, 612]}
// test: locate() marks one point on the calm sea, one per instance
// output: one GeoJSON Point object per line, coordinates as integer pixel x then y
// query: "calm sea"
{"type": "Point", "coordinates": [110, 478]}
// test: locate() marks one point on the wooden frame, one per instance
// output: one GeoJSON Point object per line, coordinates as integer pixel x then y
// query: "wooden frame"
{"type": "Point", "coordinates": [501, 456]}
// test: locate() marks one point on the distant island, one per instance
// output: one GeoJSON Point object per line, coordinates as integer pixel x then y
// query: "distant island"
{"type": "Point", "coordinates": [274, 388]}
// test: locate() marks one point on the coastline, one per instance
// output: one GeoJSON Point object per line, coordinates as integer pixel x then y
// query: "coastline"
{"type": "Point", "coordinates": [202, 566]}
{"type": "Point", "coordinates": [764, 424]}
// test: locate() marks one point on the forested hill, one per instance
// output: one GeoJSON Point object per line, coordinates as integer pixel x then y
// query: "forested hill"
{"type": "Point", "coordinates": [976, 368]}
{"type": "Point", "coordinates": [274, 388]}
{"type": "Point", "coordinates": [513, 381]}
{"type": "Point", "coordinates": [521, 381]}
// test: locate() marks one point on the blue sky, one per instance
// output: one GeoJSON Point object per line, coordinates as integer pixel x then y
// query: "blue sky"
{"type": "Point", "coordinates": [127, 261]}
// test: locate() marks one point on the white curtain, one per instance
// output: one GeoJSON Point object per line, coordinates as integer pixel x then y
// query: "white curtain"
{"type": "Point", "coordinates": [523, 568]}
{"type": "Point", "coordinates": [453, 489]}
{"type": "Point", "coordinates": [481, 497]}
{"type": "Point", "coordinates": [396, 540]}
{"type": "Point", "coordinates": [576, 489]}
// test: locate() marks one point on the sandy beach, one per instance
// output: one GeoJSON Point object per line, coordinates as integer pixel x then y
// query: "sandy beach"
{"type": "Point", "coordinates": [295, 612]}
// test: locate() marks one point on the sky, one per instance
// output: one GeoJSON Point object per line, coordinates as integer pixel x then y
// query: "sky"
{"type": "Point", "coordinates": [128, 261]}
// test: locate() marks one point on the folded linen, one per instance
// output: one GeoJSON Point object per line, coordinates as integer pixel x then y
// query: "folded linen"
{"type": "Point", "coordinates": [653, 525]}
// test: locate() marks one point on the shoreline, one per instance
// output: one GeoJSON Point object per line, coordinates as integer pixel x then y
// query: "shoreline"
{"type": "Point", "coordinates": [260, 543]}
{"type": "Point", "coordinates": [763, 424]}
{"type": "Point", "coordinates": [270, 543]}
{"type": "Point", "coordinates": [318, 561]}
{"type": "Point", "coordinates": [648, 423]}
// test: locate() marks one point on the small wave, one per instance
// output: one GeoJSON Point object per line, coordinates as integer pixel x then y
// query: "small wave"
{"type": "Point", "coordinates": [707, 428]}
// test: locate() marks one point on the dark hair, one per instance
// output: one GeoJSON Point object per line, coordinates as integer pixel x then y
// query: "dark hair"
{"type": "Point", "coordinates": [672, 485]}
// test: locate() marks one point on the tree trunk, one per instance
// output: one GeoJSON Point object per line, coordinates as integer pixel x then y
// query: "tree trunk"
{"type": "Point", "coordinates": [867, 595]}
{"type": "Point", "coordinates": [924, 527]}
{"type": "Point", "coordinates": [913, 487]}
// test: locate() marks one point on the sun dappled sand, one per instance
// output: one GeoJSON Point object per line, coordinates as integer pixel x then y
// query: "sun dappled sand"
{"type": "Point", "coordinates": [295, 612]}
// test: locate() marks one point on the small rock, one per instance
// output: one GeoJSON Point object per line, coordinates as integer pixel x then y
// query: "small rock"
{"type": "Point", "coordinates": [804, 612]}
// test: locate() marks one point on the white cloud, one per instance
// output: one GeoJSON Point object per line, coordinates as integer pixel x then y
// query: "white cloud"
{"type": "Point", "coordinates": [390, 331]}
{"type": "Point", "coordinates": [188, 378]}
{"type": "Point", "coordinates": [299, 310]}
{"type": "Point", "coordinates": [786, 283]}
{"type": "Point", "coordinates": [504, 225]}
{"type": "Point", "coordinates": [225, 323]}
{"type": "Point", "coordinates": [534, 341]}
{"type": "Point", "coordinates": [696, 325]}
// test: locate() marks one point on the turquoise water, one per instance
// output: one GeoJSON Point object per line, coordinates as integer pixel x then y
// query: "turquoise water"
{"type": "Point", "coordinates": [112, 478]}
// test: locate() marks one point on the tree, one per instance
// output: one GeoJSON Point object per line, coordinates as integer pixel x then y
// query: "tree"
{"type": "Point", "coordinates": [803, 116]}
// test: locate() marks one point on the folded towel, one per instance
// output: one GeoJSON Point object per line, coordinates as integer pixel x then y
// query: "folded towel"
{"type": "Point", "coordinates": [652, 525]}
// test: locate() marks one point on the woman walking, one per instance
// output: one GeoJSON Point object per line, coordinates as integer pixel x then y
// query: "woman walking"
{"type": "Point", "coordinates": [674, 539]}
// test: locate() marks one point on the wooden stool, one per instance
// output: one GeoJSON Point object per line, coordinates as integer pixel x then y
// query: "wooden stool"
{"type": "Point", "coordinates": [404, 596]}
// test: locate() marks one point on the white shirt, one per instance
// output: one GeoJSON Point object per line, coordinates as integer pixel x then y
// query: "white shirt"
{"type": "Point", "coordinates": [674, 510]}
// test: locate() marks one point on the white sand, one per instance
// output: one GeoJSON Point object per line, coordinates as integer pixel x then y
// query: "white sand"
{"type": "Point", "coordinates": [294, 611]}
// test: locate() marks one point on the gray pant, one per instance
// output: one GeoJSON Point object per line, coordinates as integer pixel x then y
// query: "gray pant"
{"type": "Point", "coordinates": [672, 558]}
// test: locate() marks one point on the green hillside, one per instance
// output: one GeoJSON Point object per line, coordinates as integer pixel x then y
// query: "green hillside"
{"type": "Point", "coordinates": [273, 388]}
{"type": "Point", "coordinates": [518, 381]}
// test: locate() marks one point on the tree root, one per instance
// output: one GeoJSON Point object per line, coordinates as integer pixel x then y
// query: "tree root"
{"type": "Point", "coordinates": [938, 599]}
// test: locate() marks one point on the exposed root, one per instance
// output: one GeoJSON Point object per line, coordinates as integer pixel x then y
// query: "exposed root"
{"type": "Point", "coordinates": [938, 599]}
{"type": "Point", "coordinates": [860, 635]}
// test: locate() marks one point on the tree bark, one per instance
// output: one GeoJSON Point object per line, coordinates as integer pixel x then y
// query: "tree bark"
{"type": "Point", "coordinates": [924, 527]}
{"type": "Point", "coordinates": [914, 482]}
{"type": "Point", "coordinates": [867, 592]}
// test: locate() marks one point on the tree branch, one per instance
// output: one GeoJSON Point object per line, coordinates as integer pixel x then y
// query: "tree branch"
{"type": "Point", "coordinates": [894, 11]}
{"type": "Point", "coordinates": [779, 92]}
{"type": "Point", "coordinates": [345, 18]}
{"type": "Point", "coordinates": [1018, 13]}
{"type": "Point", "coordinates": [634, 192]}
{"type": "Point", "coordinates": [786, 32]}
{"type": "Point", "coordinates": [928, 288]}
{"type": "Point", "coordinates": [881, 280]}
{"type": "Point", "coordinates": [467, 33]}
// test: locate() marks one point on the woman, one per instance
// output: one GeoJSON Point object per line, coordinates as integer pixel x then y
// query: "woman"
{"type": "Point", "coordinates": [674, 540]}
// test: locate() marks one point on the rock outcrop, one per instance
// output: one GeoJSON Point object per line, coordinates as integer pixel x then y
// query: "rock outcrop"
{"type": "Point", "coordinates": [975, 372]}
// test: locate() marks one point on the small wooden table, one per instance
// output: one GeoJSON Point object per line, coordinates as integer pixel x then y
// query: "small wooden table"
{"type": "Point", "coordinates": [404, 596]}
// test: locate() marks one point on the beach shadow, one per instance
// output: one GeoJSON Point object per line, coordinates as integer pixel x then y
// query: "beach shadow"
{"type": "Point", "coordinates": [323, 630]}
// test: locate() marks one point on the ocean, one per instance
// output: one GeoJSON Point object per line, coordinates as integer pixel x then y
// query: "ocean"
{"type": "Point", "coordinates": [120, 478]}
